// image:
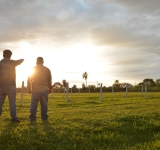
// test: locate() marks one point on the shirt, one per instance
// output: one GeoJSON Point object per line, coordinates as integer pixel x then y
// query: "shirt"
{"type": "Point", "coordinates": [7, 72]}
{"type": "Point", "coordinates": [40, 80]}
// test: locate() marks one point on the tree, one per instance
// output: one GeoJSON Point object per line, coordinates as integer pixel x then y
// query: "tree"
{"type": "Point", "coordinates": [116, 84]}
{"type": "Point", "coordinates": [123, 85]}
{"type": "Point", "coordinates": [57, 85]}
{"type": "Point", "coordinates": [150, 82]}
{"type": "Point", "coordinates": [64, 83]}
{"type": "Point", "coordinates": [92, 88]}
{"type": "Point", "coordinates": [157, 82]}
{"type": "Point", "coordinates": [85, 76]}
{"type": "Point", "coordinates": [140, 84]}
{"type": "Point", "coordinates": [83, 86]}
{"type": "Point", "coordinates": [74, 87]}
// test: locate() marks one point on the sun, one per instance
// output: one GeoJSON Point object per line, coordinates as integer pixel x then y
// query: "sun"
{"type": "Point", "coordinates": [24, 70]}
{"type": "Point", "coordinates": [30, 72]}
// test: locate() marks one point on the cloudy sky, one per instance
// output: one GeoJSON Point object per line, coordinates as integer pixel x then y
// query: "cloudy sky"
{"type": "Point", "coordinates": [109, 39]}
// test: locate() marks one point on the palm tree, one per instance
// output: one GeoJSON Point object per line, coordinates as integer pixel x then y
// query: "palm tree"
{"type": "Point", "coordinates": [85, 76]}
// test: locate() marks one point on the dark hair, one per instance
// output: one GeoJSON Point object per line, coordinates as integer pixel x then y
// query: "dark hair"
{"type": "Point", "coordinates": [7, 53]}
{"type": "Point", "coordinates": [39, 60]}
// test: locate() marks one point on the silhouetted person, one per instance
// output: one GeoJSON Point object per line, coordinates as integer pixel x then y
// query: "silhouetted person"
{"type": "Point", "coordinates": [40, 85]}
{"type": "Point", "coordinates": [8, 82]}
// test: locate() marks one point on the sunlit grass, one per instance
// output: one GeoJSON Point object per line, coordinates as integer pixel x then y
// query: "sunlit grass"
{"type": "Point", "coordinates": [85, 123]}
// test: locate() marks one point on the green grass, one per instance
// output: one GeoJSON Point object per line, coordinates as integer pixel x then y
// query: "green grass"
{"type": "Point", "coordinates": [85, 123]}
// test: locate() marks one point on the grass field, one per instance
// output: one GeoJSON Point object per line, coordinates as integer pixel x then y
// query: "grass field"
{"type": "Point", "coordinates": [86, 123]}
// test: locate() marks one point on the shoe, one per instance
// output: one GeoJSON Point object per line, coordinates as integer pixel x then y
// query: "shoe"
{"type": "Point", "coordinates": [15, 121]}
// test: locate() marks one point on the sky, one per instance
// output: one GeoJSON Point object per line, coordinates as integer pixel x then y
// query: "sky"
{"type": "Point", "coordinates": [109, 39]}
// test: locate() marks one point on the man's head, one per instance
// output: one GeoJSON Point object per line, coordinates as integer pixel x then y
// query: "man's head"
{"type": "Point", "coordinates": [39, 60]}
{"type": "Point", "coordinates": [7, 53]}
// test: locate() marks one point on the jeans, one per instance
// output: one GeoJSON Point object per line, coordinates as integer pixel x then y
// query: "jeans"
{"type": "Point", "coordinates": [43, 98]}
{"type": "Point", "coordinates": [11, 93]}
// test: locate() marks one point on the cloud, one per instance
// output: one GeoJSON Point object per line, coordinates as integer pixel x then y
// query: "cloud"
{"type": "Point", "coordinates": [34, 20]}
{"type": "Point", "coordinates": [106, 22]}
{"type": "Point", "coordinates": [143, 6]}
{"type": "Point", "coordinates": [124, 34]}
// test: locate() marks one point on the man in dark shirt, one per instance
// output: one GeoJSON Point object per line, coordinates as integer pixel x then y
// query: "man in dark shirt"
{"type": "Point", "coordinates": [39, 84]}
{"type": "Point", "coordinates": [8, 82]}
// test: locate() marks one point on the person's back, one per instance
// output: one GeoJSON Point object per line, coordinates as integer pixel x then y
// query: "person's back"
{"type": "Point", "coordinates": [40, 78]}
{"type": "Point", "coordinates": [39, 84]}
{"type": "Point", "coordinates": [7, 73]}
{"type": "Point", "coordinates": [8, 82]}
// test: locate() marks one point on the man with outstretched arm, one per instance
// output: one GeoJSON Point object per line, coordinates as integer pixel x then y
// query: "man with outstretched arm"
{"type": "Point", "coordinates": [8, 83]}
{"type": "Point", "coordinates": [40, 85]}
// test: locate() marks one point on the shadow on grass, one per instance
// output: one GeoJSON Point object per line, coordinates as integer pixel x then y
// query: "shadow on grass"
{"type": "Point", "coordinates": [26, 135]}
{"type": "Point", "coordinates": [8, 135]}
{"type": "Point", "coordinates": [92, 102]}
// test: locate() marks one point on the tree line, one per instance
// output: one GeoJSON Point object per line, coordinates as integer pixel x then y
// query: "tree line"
{"type": "Point", "coordinates": [153, 86]}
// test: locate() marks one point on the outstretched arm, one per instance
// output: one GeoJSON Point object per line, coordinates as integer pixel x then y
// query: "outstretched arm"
{"type": "Point", "coordinates": [17, 62]}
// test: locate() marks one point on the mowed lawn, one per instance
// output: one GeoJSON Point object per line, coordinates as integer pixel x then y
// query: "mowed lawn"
{"type": "Point", "coordinates": [85, 123]}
